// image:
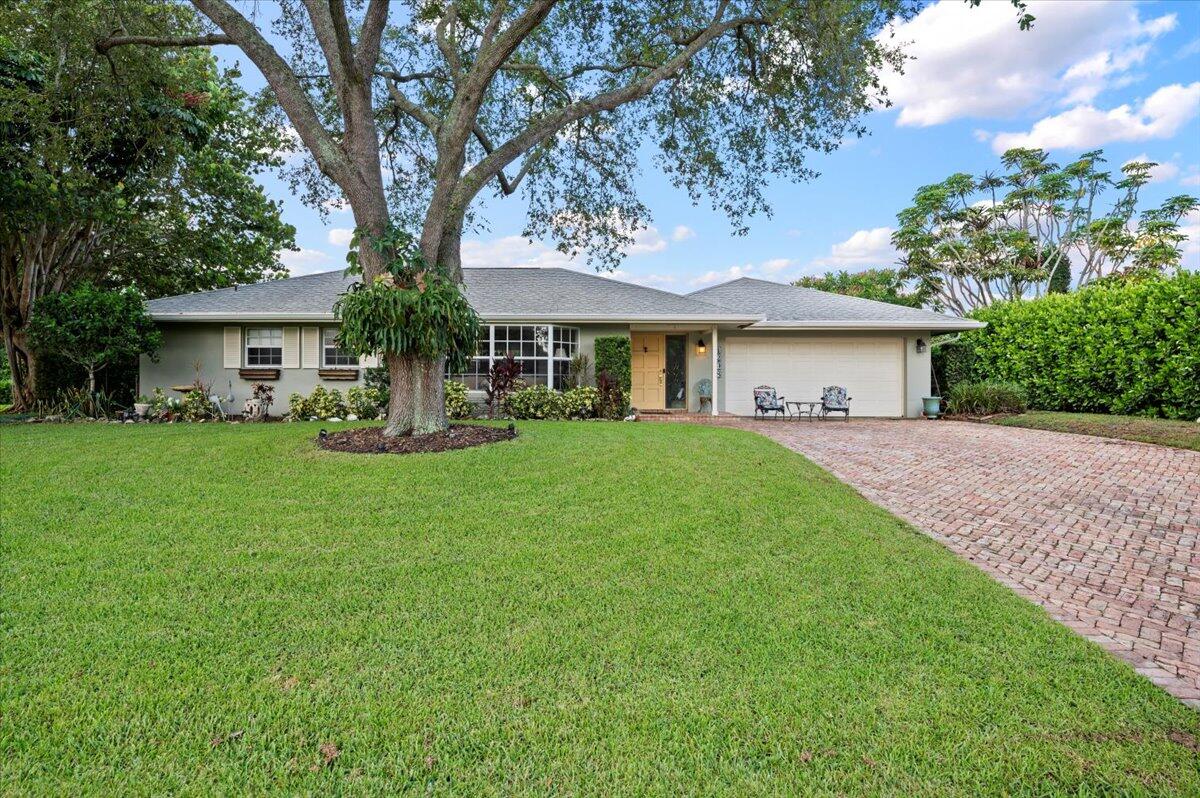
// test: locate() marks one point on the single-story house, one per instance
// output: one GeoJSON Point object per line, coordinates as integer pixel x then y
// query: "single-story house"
{"type": "Point", "coordinates": [738, 335]}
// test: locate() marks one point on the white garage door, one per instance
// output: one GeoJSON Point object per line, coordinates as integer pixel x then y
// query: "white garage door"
{"type": "Point", "coordinates": [871, 369]}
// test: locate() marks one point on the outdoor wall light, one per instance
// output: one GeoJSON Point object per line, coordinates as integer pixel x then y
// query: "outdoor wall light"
{"type": "Point", "coordinates": [920, 345]}
{"type": "Point", "coordinates": [700, 347]}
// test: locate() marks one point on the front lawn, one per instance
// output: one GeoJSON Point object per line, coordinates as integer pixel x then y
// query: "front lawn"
{"type": "Point", "coordinates": [590, 609]}
{"type": "Point", "coordinates": [1180, 434]}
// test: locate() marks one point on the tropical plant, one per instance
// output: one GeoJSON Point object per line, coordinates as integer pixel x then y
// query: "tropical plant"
{"type": "Point", "coordinates": [986, 398]}
{"type": "Point", "coordinates": [611, 401]}
{"type": "Point", "coordinates": [458, 406]}
{"type": "Point", "coordinates": [132, 167]}
{"type": "Point", "coordinates": [968, 242]}
{"type": "Point", "coordinates": [195, 406]}
{"type": "Point", "coordinates": [361, 402]}
{"type": "Point", "coordinates": [579, 370]}
{"type": "Point", "coordinates": [503, 377]}
{"type": "Point", "coordinates": [79, 403]}
{"type": "Point", "coordinates": [881, 285]}
{"type": "Point", "coordinates": [535, 402]}
{"type": "Point", "coordinates": [93, 328]}
{"type": "Point", "coordinates": [580, 402]}
{"type": "Point", "coordinates": [565, 94]}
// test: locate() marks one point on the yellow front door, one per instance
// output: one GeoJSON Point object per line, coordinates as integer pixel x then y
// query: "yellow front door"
{"type": "Point", "coordinates": [649, 365]}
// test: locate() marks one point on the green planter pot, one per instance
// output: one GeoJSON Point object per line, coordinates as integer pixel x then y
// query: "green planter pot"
{"type": "Point", "coordinates": [933, 406]}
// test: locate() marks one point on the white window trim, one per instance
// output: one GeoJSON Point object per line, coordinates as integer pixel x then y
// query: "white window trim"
{"type": "Point", "coordinates": [325, 364]}
{"type": "Point", "coordinates": [246, 348]}
{"type": "Point", "coordinates": [549, 356]}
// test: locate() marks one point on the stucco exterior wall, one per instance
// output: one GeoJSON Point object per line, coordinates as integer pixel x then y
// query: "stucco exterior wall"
{"type": "Point", "coordinates": [185, 344]}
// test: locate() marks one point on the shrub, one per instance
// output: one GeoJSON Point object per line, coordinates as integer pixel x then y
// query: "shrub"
{"type": "Point", "coordinates": [986, 398]}
{"type": "Point", "coordinates": [322, 403]}
{"type": "Point", "coordinates": [536, 401]}
{"type": "Point", "coordinates": [503, 378]}
{"type": "Point", "coordinates": [195, 406]}
{"type": "Point", "coordinates": [580, 402]}
{"type": "Point", "coordinates": [457, 404]}
{"type": "Point", "coordinates": [610, 399]}
{"type": "Point", "coordinates": [613, 355]}
{"type": "Point", "coordinates": [361, 402]}
{"type": "Point", "coordinates": [1125, 347]}
{"type": "Point", "coordinates": [578, 370]}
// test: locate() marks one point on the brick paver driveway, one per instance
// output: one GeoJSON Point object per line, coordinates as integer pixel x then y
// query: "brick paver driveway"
{"type": "Point", "coordinates": [1102, 533]}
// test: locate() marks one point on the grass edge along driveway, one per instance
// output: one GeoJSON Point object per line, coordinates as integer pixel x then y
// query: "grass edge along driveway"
{"type": "Point", "coordinates": [594, 609]}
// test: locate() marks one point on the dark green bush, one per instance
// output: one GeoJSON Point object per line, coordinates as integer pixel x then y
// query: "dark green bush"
{"type": "Point", "coordinates": [1126, 347]}
{"type": "Point", "coordinates": [986, 398]}
{"type": "Point", "coordinates": [614, 355]}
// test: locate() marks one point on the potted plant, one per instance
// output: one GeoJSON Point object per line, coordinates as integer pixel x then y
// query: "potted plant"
{"type": "Point", "coordinates": [141, 405]}
{"type": "Point", "coordinates": [261, 398]}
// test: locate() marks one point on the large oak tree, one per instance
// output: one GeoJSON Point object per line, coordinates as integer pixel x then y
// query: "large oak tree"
{"type": "Point", "coordinates": [555, 99]}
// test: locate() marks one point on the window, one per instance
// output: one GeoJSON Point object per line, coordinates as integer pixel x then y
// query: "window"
{"type": "Point", "coordinates": [544, 352]}
{"type": "Point", "coordinates": [264, 346]}
{"type": "Point", "coordinates": [333, 356]}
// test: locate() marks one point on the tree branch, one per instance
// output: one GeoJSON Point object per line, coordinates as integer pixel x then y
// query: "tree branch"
{"type": "Point", "coordinates": [402, 103]}
{"type": "Point", "coordinates": [206, 40]}
{"type": "Point", "coordinates": [539, 131]}
{"type": "Point", "coordinates": [374, 22]}
{"type": "Point", "coordinates": [290, 93]}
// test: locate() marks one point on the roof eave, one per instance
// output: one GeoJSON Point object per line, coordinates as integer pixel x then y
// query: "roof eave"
{"type": "Point", "coordinates": [940, 326]}
{"type": "Point", "coordinates": [656, 318]}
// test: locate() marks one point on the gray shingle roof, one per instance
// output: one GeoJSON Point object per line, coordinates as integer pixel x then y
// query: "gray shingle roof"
{"type": "Point", "coordinates": [498, 294]}
{"type": "Point", "coordinates": [528, 294]}
{"type": "Point", "coordinates": [783, 306]}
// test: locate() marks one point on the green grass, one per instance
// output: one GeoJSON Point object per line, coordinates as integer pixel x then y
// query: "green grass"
{"type": "Point", "coordinates": [591, 609]}
{"type": "Point", "coordinates": [1180, 434]}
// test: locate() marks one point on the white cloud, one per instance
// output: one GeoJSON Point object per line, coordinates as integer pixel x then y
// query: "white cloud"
{"type": "Point", "coordinates": [646, 240]}
{"type": "Point", "coordinates": [1166, 170]}
{"type": "Point", "coordinates": [975, 62]}
{"type": "Point", "coordinates": [732, 273]}
{"type": "Point", "coordinates": [340, 236]}
{"type": "Point", "coordinates": [682, 233]}
{"type": "Point", "coordinates": [1190, 227]}
{"type": "Point", "coordinates": [864, 248]}
{"type": "Point", "coordinates": [306, 261]}
{"type": "Point", "coordinates": [1192, 178]}
{"type": "Point", "coordinates": [776, 265]}
{"type": "Point", "coordinates": [511, 251]}
{"type": "Point", "coordinates": [1159, 116]}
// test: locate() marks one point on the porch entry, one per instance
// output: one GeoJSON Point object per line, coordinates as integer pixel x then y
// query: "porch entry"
{"type": "Point", "coordinates": [659, 371]}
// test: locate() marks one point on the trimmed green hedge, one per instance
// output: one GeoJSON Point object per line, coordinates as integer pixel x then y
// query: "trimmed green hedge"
{"type": "Point", "coordinates": [1131, 348]}
{"type": "Point", "coordinates": [613, 354]}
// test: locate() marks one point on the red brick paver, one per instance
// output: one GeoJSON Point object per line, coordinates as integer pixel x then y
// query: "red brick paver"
{"type": "Point", "coordinates": [1104, 534]}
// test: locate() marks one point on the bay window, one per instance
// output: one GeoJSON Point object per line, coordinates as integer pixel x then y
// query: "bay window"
{"type": "Point", "coordinates": [543, 350]}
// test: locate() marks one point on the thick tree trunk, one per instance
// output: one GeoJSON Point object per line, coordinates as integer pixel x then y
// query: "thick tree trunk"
{"type": "Point", "coordinates": [23, 364]}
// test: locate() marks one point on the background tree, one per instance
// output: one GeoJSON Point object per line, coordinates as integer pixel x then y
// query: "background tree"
{"type": "Point", "coordinates": [122, 168]}
{"type": "Point", "coordinates": [881, 285]}
{"type": "Point", "coordinates": [968, 242]}
{"type": "Point", "coordinates": [93, 328]}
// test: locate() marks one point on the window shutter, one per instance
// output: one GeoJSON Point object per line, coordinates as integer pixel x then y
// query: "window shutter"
{"type": "Point", "coordinates": [233, 347]}
{"type": "Point", "coordinates": [310, 351]}
{"type": "Point", "coordinates": [368, 361]}
{"type": "Point", "coordinates": [291, 347]}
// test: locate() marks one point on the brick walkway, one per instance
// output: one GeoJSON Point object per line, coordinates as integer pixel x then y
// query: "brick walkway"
{"type": "Point", "coordinates": [1104, 534]}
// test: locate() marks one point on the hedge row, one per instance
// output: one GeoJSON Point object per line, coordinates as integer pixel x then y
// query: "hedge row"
{"type": "Point", "coordinates": [614, 355]}
{"type": "Point", "coordinates": [1114, 347]}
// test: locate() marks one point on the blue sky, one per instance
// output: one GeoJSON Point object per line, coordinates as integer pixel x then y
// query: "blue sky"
{"type": "Point", "coordinates": [1122, 76]}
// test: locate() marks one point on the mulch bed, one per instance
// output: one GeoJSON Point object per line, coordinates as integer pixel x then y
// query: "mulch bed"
{"type": "Point", "coordinates": [370, 440]}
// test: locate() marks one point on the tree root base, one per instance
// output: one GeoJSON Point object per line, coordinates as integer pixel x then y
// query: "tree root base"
{"type": "Point", "coordinates": [371, 440]}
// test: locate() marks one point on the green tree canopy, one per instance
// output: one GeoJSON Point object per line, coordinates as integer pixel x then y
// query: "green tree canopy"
{"type": "Point", "coordinates": [93, 327]}
{"type": "Point", "coordinates": [132, 167]}
{"type": "Point", "coordinates": [881, 285]}
{"type": "Point", "coordinates": [970, 241]}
